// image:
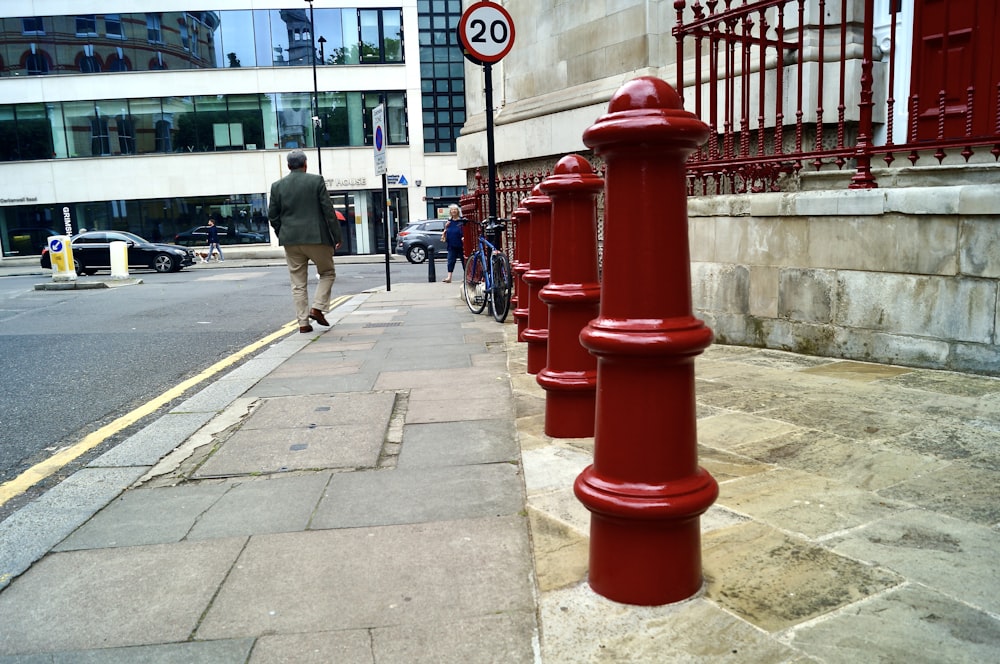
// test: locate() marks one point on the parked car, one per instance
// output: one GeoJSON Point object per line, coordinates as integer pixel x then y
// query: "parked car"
{"type": "Point", "coordinates": [28, 241]}
{"type": "Point", "coordinates": [417, 238]}
{"type": "Point", "coordinates": [199, 236]}
{"type": "Point", "coordinates": [92, 252]}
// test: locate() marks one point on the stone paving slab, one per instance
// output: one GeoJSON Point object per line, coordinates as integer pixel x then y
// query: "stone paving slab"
{"type": "Point", "coordinates": [320, 410]}
{"type": "Point", "coordinates": [233, 651]}
{"type": "Point", "coordinates": [367, 578]}
{"type": "Point", "coordinates": [252, 451]}
{"type": "Point", "coordinates": [33, 530]}
{"type": "Point", "coordinates": [509, 637]}
{"type": "Point", "coordinates": [775, 581]}
{"type": "Point", "coordinates": [911, 624]}
{"type": "Point", "coordinates": [458, 443]}
{"type": "Point", "coordinates": [940, 552]}
{"type": "Point", "coordinates": [963, 490]}
{"type": "Point", "coordinates": [146, 516]}
{"type": "Point", "coordinates": [585, 628]}
{"type": "Point", "coordinates": [820, 506]}
{"type": "Point", "coordinates": [864, 464]}
{"type": "Point", "coordinates": [271, 504]}
{"type": "Point", "coordinates": [419, 495]}
{"type": "Point", "coordinates": [305, 432]}
{"type": "Point", "coordinates": [143, 595]}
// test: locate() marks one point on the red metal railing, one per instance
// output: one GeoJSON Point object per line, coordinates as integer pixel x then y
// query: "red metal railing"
{"type": "Point", "coordinates": [511, 190]}
{"type": "Point", "coordinates": [764, 73]}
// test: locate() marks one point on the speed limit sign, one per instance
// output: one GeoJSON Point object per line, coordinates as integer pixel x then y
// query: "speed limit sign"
{"type": "Point", "coordinates": [487, 31]}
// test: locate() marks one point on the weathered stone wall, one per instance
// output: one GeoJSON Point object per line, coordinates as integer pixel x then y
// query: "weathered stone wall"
{"type": "Point", "coordinates": [907, 275]}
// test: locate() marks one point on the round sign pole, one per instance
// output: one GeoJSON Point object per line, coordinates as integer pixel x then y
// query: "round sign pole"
{"type": "Point", "coordinates": [491, 159]}
{"type": "Point", "coordinates": [486, 31]}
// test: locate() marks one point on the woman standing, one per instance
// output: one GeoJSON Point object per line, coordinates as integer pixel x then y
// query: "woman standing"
{"type": "Point", "coordinates": [452, 236]}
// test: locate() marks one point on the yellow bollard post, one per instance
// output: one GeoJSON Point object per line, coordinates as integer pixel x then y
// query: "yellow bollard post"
{"type": "Point", "coordinates": [61, 257]}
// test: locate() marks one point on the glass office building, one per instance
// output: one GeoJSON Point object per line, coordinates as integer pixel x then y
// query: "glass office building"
{"type": "Point", "coordinates": [136, 116]}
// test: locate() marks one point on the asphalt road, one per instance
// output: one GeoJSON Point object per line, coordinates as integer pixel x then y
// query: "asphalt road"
{"type": "Point", "coordinates": [72, 361]}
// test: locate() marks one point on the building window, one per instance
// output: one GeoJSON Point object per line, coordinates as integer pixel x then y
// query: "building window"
{"type": "Point", "coordinates": [395, 116]}
{"type": "Point", "coordinates": [87, 61]}
{"type": "Point", "coordinates": [36, 62]}
{"type": "Point", "coordinates": [100, 138]}
{"type": "Point", "coordinates": [113, 26]}
{"type": "Point", "coordinates": [33, 25]}
{"type": "Point", "coordinates": [86, 25]}
{"type": "Point", "coordinates": [381, 35]}
{"type": "Point", "coordinates": [117, 61]}
{"type": "Point", "coordinates": [442, 74]}
{"type": "Point", "coordinates": [154, 29]}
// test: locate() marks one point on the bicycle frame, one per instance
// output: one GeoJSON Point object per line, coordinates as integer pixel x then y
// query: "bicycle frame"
{"type": "Point", "coordinates": [487, 277]}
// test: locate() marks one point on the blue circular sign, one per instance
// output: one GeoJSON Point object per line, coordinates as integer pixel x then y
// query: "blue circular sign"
{"type": "Point", "coordinates": [56, 245]}
{"type": "Point", "coordinates": [378, 138]}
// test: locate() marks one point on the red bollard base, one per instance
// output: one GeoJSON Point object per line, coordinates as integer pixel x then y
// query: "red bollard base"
{"type": "Point", "coordinates": [570, 402]}
{"type": "Point", "coordinates": [645, 541]}
{"type": "Point", "coordinates": [537, 340]}
{"type": "Point", "coordinates": [653, 566]}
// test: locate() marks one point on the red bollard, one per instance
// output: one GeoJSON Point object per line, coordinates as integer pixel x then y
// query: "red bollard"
{"type": "Point", "coordinates": [536, 334]}
{"type": "Point", "coordinates": [645, 489]}
{"type": "Point", "coordinates": [522, 248]}
{"type": "Point", "coordinates": [573, 295]}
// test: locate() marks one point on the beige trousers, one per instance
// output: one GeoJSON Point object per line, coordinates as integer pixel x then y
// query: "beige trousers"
{"type": "Point", "coordinates": [298, 257]}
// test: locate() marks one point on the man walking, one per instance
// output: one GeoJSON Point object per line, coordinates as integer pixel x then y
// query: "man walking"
{"type": "Point", "coordinates": [301, 213]}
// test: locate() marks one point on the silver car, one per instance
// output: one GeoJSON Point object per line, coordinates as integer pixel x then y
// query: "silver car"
{"type": "Point", "coordinates": [416, 239]}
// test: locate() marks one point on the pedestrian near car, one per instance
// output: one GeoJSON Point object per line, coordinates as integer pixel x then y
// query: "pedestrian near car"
{"type": "Point", "coordinates": [302, 215]}
{"type": "Point", "coordinates": [213, 241]}
{"type": "Point", "coordinates": [453, 238]}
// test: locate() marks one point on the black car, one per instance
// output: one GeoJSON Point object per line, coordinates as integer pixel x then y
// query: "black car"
{"type": "Point", "coordinates": [417, 238]}
{"type": "Point", "coordinates": [198, 236]}
{"type": "Point", "coordinates": [92, 252]}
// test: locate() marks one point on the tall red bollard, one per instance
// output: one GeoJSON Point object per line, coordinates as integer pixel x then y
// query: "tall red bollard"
{"type": "Point", "coordinates": [521, 219]}
{"type": "Point", "coordinates": [536, 334]}
{"type": "Point", "coordinates": [645, 489]}
{"type": "Point", "coordinates": [573, 295]}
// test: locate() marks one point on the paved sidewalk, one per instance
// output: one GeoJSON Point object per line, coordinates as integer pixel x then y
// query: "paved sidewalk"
{"type": "Point", "coordinates": [380, 491]}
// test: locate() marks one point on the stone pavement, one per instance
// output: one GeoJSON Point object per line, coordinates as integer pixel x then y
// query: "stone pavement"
{"type": "Point", "coordinates": [381, 491]}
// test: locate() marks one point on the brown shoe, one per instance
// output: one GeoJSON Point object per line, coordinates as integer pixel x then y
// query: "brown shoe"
{"type": "Point", "coordinates": [305, 328]}
{"type": "Point", "coordinates": [318, 316]}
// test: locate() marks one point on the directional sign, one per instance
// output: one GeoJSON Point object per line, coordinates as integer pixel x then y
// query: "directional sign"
{"type": "Point", "coordinates": [378, 138]}
{"type": "Point", "coordinates": [487, 32]}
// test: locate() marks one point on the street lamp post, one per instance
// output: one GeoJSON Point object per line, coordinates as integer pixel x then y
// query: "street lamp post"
{"type": "Point", "coordinates": [315, 104]}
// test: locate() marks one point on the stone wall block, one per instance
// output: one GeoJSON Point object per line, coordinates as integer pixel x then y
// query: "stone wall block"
{"type": "Point", "coordinates": [980, 247]}
{"type": "Point", "coordinates": [979, 199]}
{"type": "Point", "coordinates": [721, 288]}
{"type": "Point", "coordinates": [871, 346]}
{"type": "Point", "coordinates": [764, 287]}
{"type": "Point", "coordinates": [891, 243]}
{"type": "Point", "coordinates": [807, 295]}
{"type": "Point", "coordinates": [933, 307]}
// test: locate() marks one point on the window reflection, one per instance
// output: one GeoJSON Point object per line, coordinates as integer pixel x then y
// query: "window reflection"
{"type": "Point", "coordinates": [152, 41]}
{"type": "Point", "coordinates": [208, 123]}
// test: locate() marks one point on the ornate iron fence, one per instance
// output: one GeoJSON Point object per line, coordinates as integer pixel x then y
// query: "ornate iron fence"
{"type": "Point", "coordinates": [793, 84]}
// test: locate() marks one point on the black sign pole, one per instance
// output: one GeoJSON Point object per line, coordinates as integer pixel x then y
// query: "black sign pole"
{"type": "Point", "coordinates": [491, 162]}
{"type": "Point", "coordinates": [385, 225]}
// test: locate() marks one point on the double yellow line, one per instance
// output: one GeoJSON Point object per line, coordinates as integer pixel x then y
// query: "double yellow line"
{"type": "Point", "coordinates": [54, 463]}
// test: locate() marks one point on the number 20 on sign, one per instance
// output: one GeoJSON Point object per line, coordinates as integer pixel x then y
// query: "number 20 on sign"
{"type": "Point", "coordinates": [487, 31]}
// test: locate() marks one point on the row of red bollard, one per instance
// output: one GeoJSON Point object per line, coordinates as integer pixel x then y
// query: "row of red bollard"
{"type": "Point", "coordinates": [615, 352]}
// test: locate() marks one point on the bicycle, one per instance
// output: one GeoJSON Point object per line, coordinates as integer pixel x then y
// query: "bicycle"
{"type": "Point", "coordinates": [487, 275]}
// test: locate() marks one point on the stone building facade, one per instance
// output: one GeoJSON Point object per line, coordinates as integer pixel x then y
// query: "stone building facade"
{"type": "Point", "coordinates": [906, 272]}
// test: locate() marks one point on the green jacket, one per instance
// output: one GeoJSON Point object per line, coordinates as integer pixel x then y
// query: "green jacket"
{"type": "Point", "coordinates": [301, 212]}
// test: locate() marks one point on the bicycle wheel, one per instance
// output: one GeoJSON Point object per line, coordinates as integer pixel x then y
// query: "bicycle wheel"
{"type": "Point", "coordinates": [473, 283]}
{"type": "Point", "coordinates": [502, 284]}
